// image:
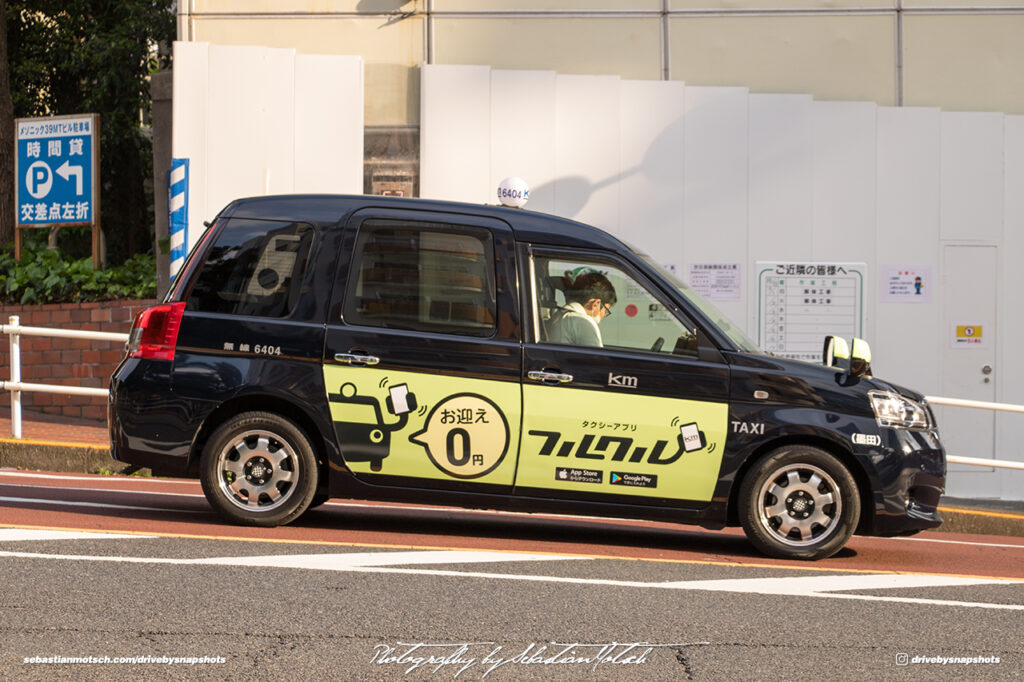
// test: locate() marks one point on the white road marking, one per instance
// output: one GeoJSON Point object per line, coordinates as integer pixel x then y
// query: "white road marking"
{"type": "Point", "coordinates": [65, 503]}
{"type": "Point", "coordinates": [700, 585]}
{"type": "Point", "coordinates": [347, 561]}
{"type": "Point", "coordinates": [23, 534]}
{"type": "Point", "coordinates": [957, 542]}
{"type": "Point", "coordinates": [384, 562]}
{"type": "Point", "coordinates": [107, 489]}
{"type": "Point", "coordinates": [810, 585]}
{"type": "Point", "coordinates": [92, 477]}
{"type": "Point", "coordinates": [354, 560]}
{"type": "Point", "coordinates": [400, 507]}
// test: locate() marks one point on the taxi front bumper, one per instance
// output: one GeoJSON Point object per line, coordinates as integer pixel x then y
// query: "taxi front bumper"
{"type": "Point", "coordinates": [910, 470]}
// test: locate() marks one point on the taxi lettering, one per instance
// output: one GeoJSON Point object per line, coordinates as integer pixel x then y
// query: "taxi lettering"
{"type": "Point", "coordinates": [754, 428]}
{"type": "Point", "coordinates": [617, 446]}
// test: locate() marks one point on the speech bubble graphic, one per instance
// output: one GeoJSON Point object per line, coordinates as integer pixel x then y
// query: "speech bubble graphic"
{"type": "Point", "coordinates": [465, 436]}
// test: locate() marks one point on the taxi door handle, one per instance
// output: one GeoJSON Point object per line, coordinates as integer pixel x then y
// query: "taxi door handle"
{"type": "Point", "coordinates": [550, 378]}
{"type": "Point", "coordinates": [356, 359]}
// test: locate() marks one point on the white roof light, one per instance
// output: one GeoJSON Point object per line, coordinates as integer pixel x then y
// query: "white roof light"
{"type": "Point", "coordinates": [513, 192]}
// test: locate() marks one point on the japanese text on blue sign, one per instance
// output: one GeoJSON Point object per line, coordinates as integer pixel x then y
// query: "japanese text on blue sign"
{"type": "Point", "coordinates": [55, 170]}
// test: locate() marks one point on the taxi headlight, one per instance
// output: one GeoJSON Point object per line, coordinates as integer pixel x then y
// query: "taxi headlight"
{"type": "Point", "coordinates": [898, 412]}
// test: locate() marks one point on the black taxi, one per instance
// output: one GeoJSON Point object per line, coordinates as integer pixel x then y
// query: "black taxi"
{"type": "Point", "coordinates": [411, 350]}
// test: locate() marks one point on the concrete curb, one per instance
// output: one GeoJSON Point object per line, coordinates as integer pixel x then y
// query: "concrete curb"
{"type": "Point", "coordinates": [90, 459]}
{"type": "Point", "coordinates": [980, 522]}
{"type": "Point", "coordinates": [56, 456]}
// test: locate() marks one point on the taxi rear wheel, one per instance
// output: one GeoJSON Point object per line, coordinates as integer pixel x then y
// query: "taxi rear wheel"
{"type": "Point", "coordinates": [799, 502]}
{"type": "Point", "coordinates": [258, 469]}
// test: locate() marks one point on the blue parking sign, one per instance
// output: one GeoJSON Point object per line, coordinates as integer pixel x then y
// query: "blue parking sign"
{"type": "Point", "coordinates": [55, 166]}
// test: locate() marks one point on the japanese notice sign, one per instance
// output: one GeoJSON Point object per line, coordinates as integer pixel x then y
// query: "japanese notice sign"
{"type": "Point", "coordinates": [799, 304]}
{"type": "Point", "coordinates": [969, 336]}
{"type": "Point", "coordinates": [905, 283]}
{"type": "Point", "coordinates": [716, 281]}
{"type": "Point", "coordinates": [55, 166]}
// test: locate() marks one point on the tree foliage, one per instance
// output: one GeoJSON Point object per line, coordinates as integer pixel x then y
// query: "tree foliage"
{"type": "Point", "coordinates": [6, 137]}
{"type": "Point", "coordinates": [95, 56]}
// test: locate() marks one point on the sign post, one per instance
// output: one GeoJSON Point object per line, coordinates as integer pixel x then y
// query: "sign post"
{"type": "Point", "coordinates": [56, 168]}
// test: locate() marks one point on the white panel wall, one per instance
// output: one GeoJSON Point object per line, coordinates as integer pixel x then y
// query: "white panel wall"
{"type": "Point", "coordinates": [523, 144]}
{"type": "Point", "coordinates": [704, 174]}
{"type": "Point", "coordinates": [781, 141]}
{"type": "Point", "coordinates": [455, 142]}
{"type": "Point", "coordinates": [1010, 359]}
{"type": "Point", "coordinates": [715, 189]}
{"type": "Point", "coordinates": [844, 181]}
{"type": "Point", "coordinates": [250, 138]}
{"type": "Point", "coordinates": [843, 188]}
{"type": "Point", "coordinates": [652, 143]}
{"type": "Point", "coordinates": [972, 176]}
{"type": "Point", "coordinates": [907, 230]}
{"type": "Point", "coordinates": [256, 120]}
{"type": "Point", "coordinates": [190, 110]}
{"type": "Point", "coordinates": [328, 122]}
{"type": "Point", "coordinates": [587, 149]}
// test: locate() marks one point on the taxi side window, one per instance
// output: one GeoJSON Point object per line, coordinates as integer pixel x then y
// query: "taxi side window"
{"type": "Point", "coordinates": [597, 302]}
{"type": "Point", "coordinates": [254, 268]}
{"type": "Point", "coordinates": [423, 276]}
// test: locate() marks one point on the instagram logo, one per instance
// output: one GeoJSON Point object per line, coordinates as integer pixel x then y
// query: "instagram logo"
{"type": "Point", "coordinates": [902, 659]}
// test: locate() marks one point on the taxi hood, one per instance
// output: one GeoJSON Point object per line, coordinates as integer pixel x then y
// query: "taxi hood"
{"type": "Point", "coordinates": [805, 384]}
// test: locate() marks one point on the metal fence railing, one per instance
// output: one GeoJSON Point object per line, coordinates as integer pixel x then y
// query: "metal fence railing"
{"type": "Point", "coordinates": [979, 405]}
{"type": "Point", "coordinates": [15, 385]}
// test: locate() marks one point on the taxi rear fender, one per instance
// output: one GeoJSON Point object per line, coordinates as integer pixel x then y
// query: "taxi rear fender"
{"type": "Point", "coordinates": [258, 403]}
{"type": "Point", "coordinates": [867, 503]}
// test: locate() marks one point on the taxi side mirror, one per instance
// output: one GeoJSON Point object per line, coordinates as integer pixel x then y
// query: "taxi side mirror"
{"type": "Point", "coordinates": [860, 359]}
{"type": "Point", "coordinates": [854, 360]}
{"type": "Point", "coordinates": [836, 352]}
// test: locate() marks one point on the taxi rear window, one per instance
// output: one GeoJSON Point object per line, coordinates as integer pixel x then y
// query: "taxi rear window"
{"type": "Point", "coordinates": [254, 268]}
{"type": "Point", "coordinates": [423, 276]}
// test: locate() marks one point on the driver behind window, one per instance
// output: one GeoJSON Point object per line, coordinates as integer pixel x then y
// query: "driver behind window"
{"type": "Point", "coordinates": [589, 297]}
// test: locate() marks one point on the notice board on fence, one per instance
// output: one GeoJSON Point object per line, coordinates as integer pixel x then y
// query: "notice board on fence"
{"type": "Point", "coordinates": [800, 303]}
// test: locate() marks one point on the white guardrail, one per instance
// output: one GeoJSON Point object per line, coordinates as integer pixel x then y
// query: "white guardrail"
{"type": "Point", "coordinates": [16, 386]}
{"type": "Point", "coordinates": [979, 405]}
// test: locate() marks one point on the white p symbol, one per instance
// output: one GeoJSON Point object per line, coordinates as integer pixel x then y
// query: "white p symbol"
{"type": "Point", "coordinates": [39, 179]}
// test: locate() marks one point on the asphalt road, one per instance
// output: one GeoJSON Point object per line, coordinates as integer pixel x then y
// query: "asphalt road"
{"type": "Point", "coordinates": [127, 568]}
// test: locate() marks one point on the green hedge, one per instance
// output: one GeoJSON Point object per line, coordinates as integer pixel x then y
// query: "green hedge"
{"type": "Point", "coordinates": [45, 275]}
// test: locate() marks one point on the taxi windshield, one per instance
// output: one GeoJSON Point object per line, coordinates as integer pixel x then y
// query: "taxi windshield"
{"type": "Point", "coordinates": [734, 333]}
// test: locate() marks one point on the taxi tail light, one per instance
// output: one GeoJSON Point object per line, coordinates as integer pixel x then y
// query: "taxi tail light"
{"type": "Point", "coordinates": [155, 332]}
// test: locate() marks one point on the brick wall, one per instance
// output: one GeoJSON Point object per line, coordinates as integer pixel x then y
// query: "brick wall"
{"type": "Point", "coordinates": [75, 362]}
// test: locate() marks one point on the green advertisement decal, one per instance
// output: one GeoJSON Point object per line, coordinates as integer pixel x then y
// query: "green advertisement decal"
{"type": "Point", "coordinates": [448, 428]}
{"type": "Point", "coordinates": [425, 426]}
{"type": "Point", "coordinates": [466, 436]}
{"type": "Point", "coordinates": [645, 446]}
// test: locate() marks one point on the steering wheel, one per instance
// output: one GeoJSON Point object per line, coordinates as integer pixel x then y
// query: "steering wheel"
{"type": "Point", "coordinates": [658, 344]}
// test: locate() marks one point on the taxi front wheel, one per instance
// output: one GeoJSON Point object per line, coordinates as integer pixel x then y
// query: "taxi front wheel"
{"type": "Point", "coordinates": [258, 469]}
{"type": "Point", "coordinates": [799, 502]}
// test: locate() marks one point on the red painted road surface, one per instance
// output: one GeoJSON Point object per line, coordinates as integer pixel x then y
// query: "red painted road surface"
{"type": "Point", "coordinates": [177, 507]}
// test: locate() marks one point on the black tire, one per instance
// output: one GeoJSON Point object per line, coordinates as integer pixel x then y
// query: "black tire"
{"type": "Point", "coordinates": [258, 469]}
{"type": "Point", "coordinates": [799, 502]}
{"type": "Point", "coordinates": [318, 500]}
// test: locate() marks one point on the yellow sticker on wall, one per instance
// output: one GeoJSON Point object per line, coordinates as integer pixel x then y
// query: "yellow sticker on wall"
{"type": "Point", "coordinates": [969, 335]}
